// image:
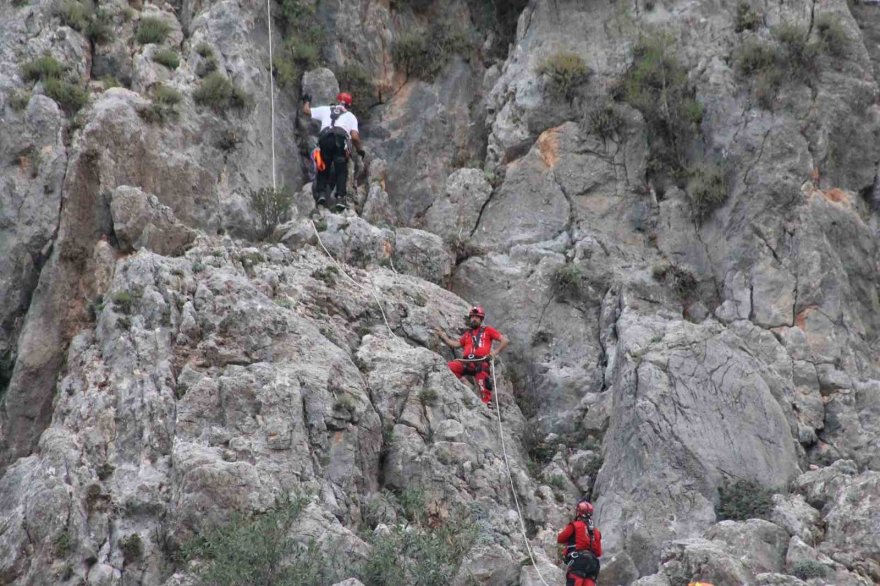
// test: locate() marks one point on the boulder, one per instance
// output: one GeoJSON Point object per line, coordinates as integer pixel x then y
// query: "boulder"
{"type": "Point", "coordinates": [140, 221]}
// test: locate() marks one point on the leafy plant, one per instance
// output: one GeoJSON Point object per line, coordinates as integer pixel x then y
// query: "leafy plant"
{"type": "Point", "coordinates": [424, 53]}
{"type": "Point", "coordinates": [132, 548]}
{"type": "Point", "coordinates": [676, 278]}
{"type": "Point", "coordinates": [108, 81]}
{"type": "Point", "coordinates": [164, 105]}
{"type": "Point", "coordinates": [260, 550]}
{"type": "Point", "coordinates": [567, 281]}
{"type": "Point", "coordinates": [42, 68]}
{"type": "Point", "coordinates": [272, 207]}
{"type": "Point", "coordinates": [808, 569]}
{"type": "Point", "coordinates": [833, 36]}
{"type": "Point", "coordinates": [603, 121]}
{"type": "Point", "coordinates": [70, 96]}
{"type": "Point", "coordinates": [428, 397]}
{"type": "Point", "coordinates": [152, 30]}
{"type": "Point", "coordinates": [167, 57]}
{"type": "Point", "coordinates": [706, 189]}
{"type": "Point", "coordinates": [743, 500]}
{"type": "Point", "coordinates": [19, 99]}
{"type": "Point", "coordinates": [656, 84]}
{"type": "Point", "coordinates": [428, 557]}
{"type": "Point", "coordinates": [63, 543]}
{"type": "Point", "coordinates": [355, 80]}
{"type": "Point", "coordinates": [566, 72]}
{"type": "Point", "coordinates": [304, 37]}
{"type": "Point", "coordinates": [747, 18]}
{"type": "Point", "coordinates": [217, 92]}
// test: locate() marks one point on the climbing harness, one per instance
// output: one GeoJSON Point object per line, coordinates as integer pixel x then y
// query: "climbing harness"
{"type": "Point", "coordinates": [510, 476]}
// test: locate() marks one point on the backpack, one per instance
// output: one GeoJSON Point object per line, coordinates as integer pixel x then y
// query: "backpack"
{"type": "Point", "coordinates": [582, 563]}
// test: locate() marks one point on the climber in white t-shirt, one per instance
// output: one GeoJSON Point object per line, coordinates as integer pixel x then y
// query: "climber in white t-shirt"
{"type": "Point", "coordinates": [339, 129]}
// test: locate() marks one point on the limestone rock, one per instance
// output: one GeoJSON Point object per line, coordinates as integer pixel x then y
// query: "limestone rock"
{"type": "Point", "coordinates": [140, 221]}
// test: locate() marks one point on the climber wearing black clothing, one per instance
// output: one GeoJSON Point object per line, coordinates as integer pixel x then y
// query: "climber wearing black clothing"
{"type": "Point", "coordinates": [339, 128]}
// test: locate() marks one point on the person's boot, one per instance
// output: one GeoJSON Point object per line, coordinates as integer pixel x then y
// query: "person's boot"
{"type": "Point", "coordinates": [340, 205]}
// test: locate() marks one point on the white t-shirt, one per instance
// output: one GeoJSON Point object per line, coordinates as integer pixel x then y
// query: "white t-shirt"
{"type": "Point", "coordinates": [346, 120]}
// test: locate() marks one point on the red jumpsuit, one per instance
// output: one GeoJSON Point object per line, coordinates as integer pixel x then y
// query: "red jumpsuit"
{"type": "Point", "coordinates": [476, 343]}
{"type": "Point", "coordinates": [578, 539]}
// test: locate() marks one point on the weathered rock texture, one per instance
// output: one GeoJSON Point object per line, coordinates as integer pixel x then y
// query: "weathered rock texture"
{"type": "Point", "coordinates": [161, 372]}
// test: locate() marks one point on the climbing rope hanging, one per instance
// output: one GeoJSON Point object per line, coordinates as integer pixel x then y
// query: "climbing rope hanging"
{"type": "Point", "coordinates": [271, 89]}
{"type": "Point", "coordinates": [522, 524]}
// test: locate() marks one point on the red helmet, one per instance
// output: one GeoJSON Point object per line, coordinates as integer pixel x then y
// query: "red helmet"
{"type": "Point", "coordinates": [584, 509]}
{"type": "Point", "coordinates": [477, 310]}
{"type": "Point", "coordinates": [344, 98]}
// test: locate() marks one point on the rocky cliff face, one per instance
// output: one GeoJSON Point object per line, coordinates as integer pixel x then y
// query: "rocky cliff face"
{"type": "Point", "coordinates": [669, 207]}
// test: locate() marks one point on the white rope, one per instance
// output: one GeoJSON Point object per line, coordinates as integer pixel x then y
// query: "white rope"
{"type": "Point", "coordinates": [372, 287]}
{"type": "Point", "coordinates": [271, 89]}
{"type": "Point", "coordinates": [510, 477]}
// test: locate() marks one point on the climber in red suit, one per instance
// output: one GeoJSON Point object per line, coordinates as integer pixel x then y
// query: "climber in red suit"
{"type": "Point", "coordinates": [583, 547]}
{"type": "Point", "coordinates": [477, 345]}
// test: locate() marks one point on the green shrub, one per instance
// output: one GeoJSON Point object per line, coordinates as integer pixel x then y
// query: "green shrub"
{"type": "Point", "coordinates": [424, 53]}
{"type": "Point", "coordinates": [19, 100]}
{"type": "Point", "coordinates": [412, 505]}
{"type": "Point", "coordinates": [260, 550]}
{"type": "Point", "coordinates": [706, 189]}
{"type": "Point", "coordinates": [123, 302]}
{"type": "Point", "coordinates": [63, 544]}
{"type": "Point", "coordinates": [743, 500]}
{"type": "Point", "coordinates": [272, 207]}
{"type": "Point", "coordinates": [167, 57]}
{"type": "Point", "coordinates": [355, 80]}
{"type": "Point", "coordinates": [19, 3]}
{"type": "Point", "coordinates": [808, 569]}
{"type": "Point", "coordinates": [428, 397]}
{"type": "Point", "coordinates": [70, 96]}
{"type": "Point", "coordinates": [132, 548]}
{"type": "Point", "coordinates": [832, 35]}
{"type": "Point", "coordinates": [167, 96]}
{"type": "Point", "coordinates": [164, 105]}
{"type": "Point", "coordinates": [567, 281]}
{"type": "Point", "coordinates": [217, 92]}
{"type": "Point", "coordinates": [656, 84]}
{"type": "Point", "coordinates": [556, 481]}
{"type": "Point", "coordinates": [207, 65]}
{"type": "Point", "coordinates": [680, 280]}
{"type": "Point", "coordinates": [428, 557]}
{"type": "Point", "coordinates": [99, 29]}
{"type": "Point", "coordinates": [800, 55]}
{"type": "Point", "coordinates": [603, 121]}
{"type": "Point", "coordinates": [73, 13]}
{"type": "Point", "coordinates": [566, 72]}
{"type": "Point", "coordinates": [42, 68]}
{"type": "Point", "coordinates": [152, 30]}
{"type": "Point", "coordinates": [108, 81]}
{"type": "Point", "coordinates": [747, 19]}
{"type": "Point", "coordinates": [205, 50]}
{"type": "Point", "coordinates": [304, 37]}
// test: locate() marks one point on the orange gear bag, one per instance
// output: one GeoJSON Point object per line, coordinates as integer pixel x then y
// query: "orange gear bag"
{"type": "Point", "coordinates": [320, 165]}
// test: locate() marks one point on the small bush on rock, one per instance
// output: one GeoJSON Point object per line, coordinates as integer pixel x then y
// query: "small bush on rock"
{"type": "Point", "coordinates": [355, 80]}
{"type": "Point", "coordinates": [747, 19]}
{"type": "Point", "coordinates": [603, 121]}
{"type": "Point", "coordinates": [832, 35]}
{"type": "Point", "coordinates": [42, 68]}
{"type": "Point", "coordinates": [152, 30]}
{"type": "Point", "coordinates": [743, 500]}
{"type": "Point", "coordinates": [566, 72]}
{"type": "Point", "coordinates": [424, 53]}
{"type": "Point", "coordinates": [656, 84]}
{"type": "Point", "coordinates": [272, 207]}
{"type": "Point", "coordinates": [304, 37]}
{"type": "Point", "coordinates": [19, 100]}
{"type": "Point", "coordinates": [567, 281]}
{"type": "Point", "coordinates": [167, 57]}
{"type": "Point", "coordinates": [164, 105]}
{"type": "Point", "coordinates": [218, 93]}
{"type": "Point", "coordinates": [808, 569]}
{"type": "Point", "coordinates": [70, 96]}
{"type": "Point", "coordinates": [132, 548]}
{"type": "Point", "coordinates": [261, 550]}
{"type": "Point", "coordinates": [706, 189]}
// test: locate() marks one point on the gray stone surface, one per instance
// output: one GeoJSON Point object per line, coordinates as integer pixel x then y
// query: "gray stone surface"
{"type": "Point", "coordinates": [140, 221]}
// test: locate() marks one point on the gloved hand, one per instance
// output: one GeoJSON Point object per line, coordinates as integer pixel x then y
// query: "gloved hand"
{"type": "Point", "coordinates": [307, 98]}
{"type": "Point", "coordinates": [362, 153]}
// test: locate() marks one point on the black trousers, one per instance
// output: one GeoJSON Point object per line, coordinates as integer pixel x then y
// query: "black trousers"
{"type": "Point", "coordinates": [334, 152]}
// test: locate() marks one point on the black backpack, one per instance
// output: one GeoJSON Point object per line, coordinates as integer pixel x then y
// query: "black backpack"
{"type": "Point", "coordinates": [583, 564]}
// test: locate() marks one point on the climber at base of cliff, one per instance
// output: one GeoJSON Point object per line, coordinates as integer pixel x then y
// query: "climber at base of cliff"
{"type": "Point", "coordinates": [583, 547]}
{"type": "Point", "coordinates": [339, 129]}
{"type": "Point", "coordinates": [477, 345]}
